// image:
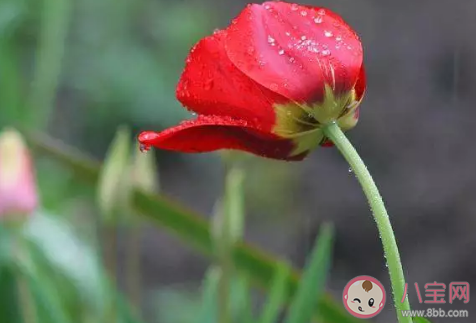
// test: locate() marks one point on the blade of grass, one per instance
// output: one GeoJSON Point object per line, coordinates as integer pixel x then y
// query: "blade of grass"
{"type": "Point", "coordinates": [313, 280]}
{"type": "Point", "coordinates": [55, 17]}
{"type": "Point", "coordinates": [241, 299]}
{"type": "Point", "coordinates": [208, 311]}
{"type": "Point", "coordinates": [193, 229]}
{"type": "Point", "coordinates": [277, 296]}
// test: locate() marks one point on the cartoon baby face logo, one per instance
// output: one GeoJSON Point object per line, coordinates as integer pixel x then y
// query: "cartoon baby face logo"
{"type": "Point", "coordinates": [364, 297]}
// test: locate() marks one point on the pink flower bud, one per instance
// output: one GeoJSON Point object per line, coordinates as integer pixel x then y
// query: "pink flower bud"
{"type": "Point", "coordinates": [18, 194]}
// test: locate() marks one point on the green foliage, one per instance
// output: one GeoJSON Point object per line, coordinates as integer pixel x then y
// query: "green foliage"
{"type": "Point", "coordinates": [53, 276]}
{"type": "Point", "coordinates": [311, 286]}
{"type": "Point", "coordinates": [192, 229]}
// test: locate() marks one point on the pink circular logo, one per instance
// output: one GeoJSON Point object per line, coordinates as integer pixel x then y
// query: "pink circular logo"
{"type": "Point", "coordinates": [364, 297]}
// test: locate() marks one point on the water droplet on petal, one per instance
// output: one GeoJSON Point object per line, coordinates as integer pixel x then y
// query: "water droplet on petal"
{"type": "Point", "coordinates": [288, 33]}
{"type": "Point", "coordinates": [271, 40]}
{"type": "Point", "coordinates": [326, 52]}
{"type": "Point", "coordinates": [304, 13]}
{"type": "Point", "coordinates": [318, 19]}
{"type": "Point", "coordinates": [303, 37]}
{"type": "Point", "coordinates": [273, 86]}
{"type": "Point", "coordinates": [294, 7]}
{"type": "Point", "coordinates": [321, 12]}
{"type": "Point", "coordinates": [339, 38]}
{"type": "Point", "coordinates": [328, 33]}
{"type": "Point", "coordinates": [292, 59]}
{"type": "Point", "coordinates": [144, 148]}
{"type": "Point", "coordinates": [281, 52]}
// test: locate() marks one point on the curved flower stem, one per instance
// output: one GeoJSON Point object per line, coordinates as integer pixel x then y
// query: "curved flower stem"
{"type": "Point", "coordinates": [397, 279]}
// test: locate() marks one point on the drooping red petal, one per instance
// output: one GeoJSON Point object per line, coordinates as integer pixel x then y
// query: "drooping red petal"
{"type": "Point", "coordinates": [210, 133]}
{"type": "Point", "coordinates": [212, 85]}
{"type": "Point", "coordinates": [293, 50]}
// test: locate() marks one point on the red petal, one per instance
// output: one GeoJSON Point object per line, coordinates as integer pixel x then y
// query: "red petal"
{"type": "Point", "coordinates": [210, 133]}
{"type": "Point", "coordinates": [212, 85]}
{"type": "Point", "coordinates": [293, 50]}
{"type": "Point", "coordinates": [361, 84]}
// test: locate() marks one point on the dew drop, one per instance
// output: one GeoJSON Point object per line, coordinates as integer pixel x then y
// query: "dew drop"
{"type": "Point", "coordinates": [303, 37]}
{"type": "Point", "coordinates": [294, 7]}
{"type": "Point", "coordinates": [304, 13]}
{"type": "Point", "coordinates": [281, 52]}
{"type": "Point", "coordinates": [271, 40]}
{"type": "Point", "coordinates": [339, 38]}
{"type": "Point", "coordinates": [144, 148]}
{"type": "Point", "coordinates": [350, 170]}
{"type": "Point", "coordinates": [328, 33]}
{"type": "Point", "coordinates": [267, 7]}
{"type": "Point", "coordinates": [326, 52]}
{"type": "Point", "coordinates": [318, 19]}
{"type": "Point", "coordinates": [321, 12]}
{"type": "Point", "coordinates": [288, 33]}
{"type": "Point", "coordinates": [292, 59]}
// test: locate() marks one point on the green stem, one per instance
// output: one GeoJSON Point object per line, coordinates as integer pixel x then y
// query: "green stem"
{"type": "Point", "coordinates": [224, 253]}
{"type": "Point", "coordinates": [55, 18]}
{"type": "Point", "coordinates": [397, 279]}
{"type": "Point", "coordinates": [133, 266]}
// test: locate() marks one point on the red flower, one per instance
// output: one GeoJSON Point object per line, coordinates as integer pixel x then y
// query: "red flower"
{"type": "Point", "coordinates": [268, 83]}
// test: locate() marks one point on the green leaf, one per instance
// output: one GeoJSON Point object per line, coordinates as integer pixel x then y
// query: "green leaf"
{"type": "Point", "coordinates": [312, 284]}
{"type": "Point", "coordinates": [241, 300]}
{"type": "Point", "coordinates": [55, 244]}
{"type": "Point", "coordinates": [191, 228]}
{"type": "Point", "coordinates": [276, 296]}
{"type": "Point", "coordinates": [48, 299]}
{"type": "Point", "coordinates": [208, 311]}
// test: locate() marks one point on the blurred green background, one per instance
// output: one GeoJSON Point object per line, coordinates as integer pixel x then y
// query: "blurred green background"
{"type": "Point", "coordinates": [77, 70]}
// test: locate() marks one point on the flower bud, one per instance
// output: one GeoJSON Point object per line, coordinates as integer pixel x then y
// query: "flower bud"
{"type": "Point", "coordinates": [114, 180]}
{"type": "Point", "coordinates": [144, 174]}
{"type": "Point", "coordinates": [18, 193]}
